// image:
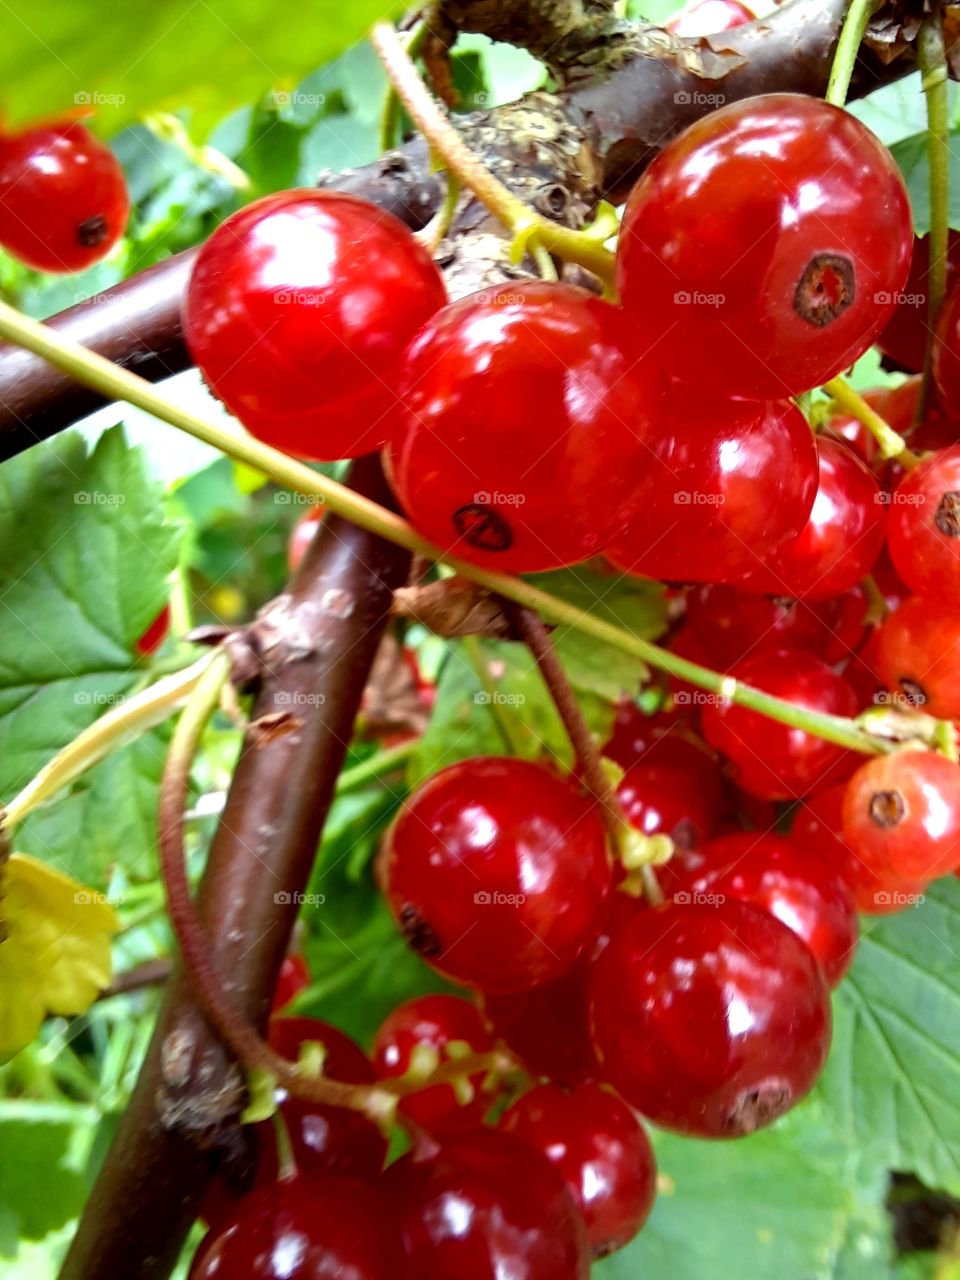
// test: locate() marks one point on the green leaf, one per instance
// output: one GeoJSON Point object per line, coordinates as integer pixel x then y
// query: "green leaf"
{"type": "Point", "coordinates": [87, 558]}
{"type": "Point", "coordinates": [108, 818]}
{"type": "Point", "coordinates": [636, 606]}
{"type": "Point", "coordinates": [42, 1183]}
{"type": "Point", "coordinates": [785, 1202]}
{"type": "Point", "coordinates": [165, 55]}
{"type": "Point", "coordinates": [892, 1083]}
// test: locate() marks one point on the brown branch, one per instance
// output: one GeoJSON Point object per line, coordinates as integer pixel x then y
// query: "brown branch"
{"type": "Point", "coordinates": [151, 973]}
{"type": "Point", "coordinates": [182, 1116]}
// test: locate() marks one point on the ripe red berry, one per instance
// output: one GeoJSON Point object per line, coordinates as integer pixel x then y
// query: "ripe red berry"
{"type": "Point", "coordinates": [728, 483]}
{"type": "Point", "coordinates": [293, 978]}
{"type": "Point", "coordinates": [664, 740]}
{"type": "Point", "coordinates": [772, 760]}
{"type": "Point", "coordinates": [434, 1022]}
{"type": "Point", "coordinates": [904, 340]}
{"type": "Point", "coordinates": [524, 428]}
{"type": "Point", "coordinates": [817, 825]}
{"type": "Point", "coordinates": [63, 197]}
{"type": "Point", "coordinates": [901, 815]}
{"type": "Point", "coordinates": [709, 17]}
{"type": "Point", "coordinates": [487, 1205]}
{"type": "Point", "coordinates": [762, 251]}
{"type": "Point", "coordinates": [841, 540]}
{"type": "Point", "coordinates": [918, 656]}
{"type": "Point", "coordinates": [924, 527]}
{"type": "Point", "coordinates": [661, 800]}
{"type": "Point", "coordinates": [155, 634]}
{"type": "Point", "coordinates": [733, 625]}
{"type": "Point", "coordinates": [325, 1138]}
{"type": "Point", "coordinates": [547, 1028]}
{"type": "Point", "coordinates": [710, 1020]}
{"type": "Point", "coordinates": [304, 1228]}
{"type": "Point", "coordinates": [496, 871]}
{"type": "Point", "coordinates": [299, 311]}
{"type": "Point", "coordinates": [946, 351]}
{"type": "Point", "coordinates": [302, 534]}
{"type": "Point", "coordinates": [802, 888]}
{"type": "Point", "coordinates": [593, 1138]}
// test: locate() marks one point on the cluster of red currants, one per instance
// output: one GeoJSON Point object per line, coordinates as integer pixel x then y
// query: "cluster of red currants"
{"type": "Point", "coordinates": [63, 196]}
{"type": "Point", "coordinates": [534, 425]}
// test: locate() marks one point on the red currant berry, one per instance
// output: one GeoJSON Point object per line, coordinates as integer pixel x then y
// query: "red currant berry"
{"type": "Point", "coordinates": [708, 18]}
{"type": "Point", "coordinates": [434, 1022]}
{"type": "Point", "coordinates": [660, 800]}
{"type": "Point", "coordinates": [293, 978]}
{"type": "Point", "coordinates": [946, 352]}
{"type": "Point", "coordinates": [901, 815]}
{"type": "Point", "coordinates": [762, 251]}
{"type": "Point", "coordinates": [666, 741]}
{"type": "Point", "coordinates": [733, 625]}
{"type": "Point", "coordinates": [487, 1205]}
{"type": "Point", "coordinates": [301, 535]}
{"type": "Point", "coordinates": [63, 197]}
{"type": "Point", "coordinates": [923, 531]}
{"type": "Point", "coordinates": [155, 634]}
{"type": "Point", "coordinates": [772, 760]}
{"type": "Point", "coordinates": [804, 890]}
{"type": "Point", "coordinates": [817, 826]}
{"type": "Point", "coordinates": [918, 656]}
{"type": "Point", "coordinates": [546, 1028]}
{"type": "Point", "coordinates": [524, 428]}
{"type": "Point", "coordinates": [729, 483]}
{"type": "Point", "coordinates": [843, 536]}
{"type": "Point", "coordinates": [304, 1228]}
{"type": "Point", "coordinates": [325, 1138]}
{"type": "Point", "coordinates": [496, 871]}
{"type": "Point", "coordinates": [904, 340]}
{"type": "Point", "coordinates": [710, 1020]}
{"type": "Point", "coordinates": [299, 311]}
{"type": "Point", "coordinates": [602, 1150]}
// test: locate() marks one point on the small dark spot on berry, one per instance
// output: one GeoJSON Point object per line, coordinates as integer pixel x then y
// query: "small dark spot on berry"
{"type": "Point", "coordinates": [483, 527]}
{"type": "Point", "coordinates": [947, 518]}
{"type": "Point", "coordinates": [756, 1108]}
{"type": "Point", "coordinates": [886, 808]}
{"type": "Point", "coordinates": [420, 935]}
{"type": "Point", "coordinates": [684, 835]}
{"type": "Point", "coordinates": [825, 290]}
{"type": "Point", "coordinates": [914, 692]}
{"type": "Point", "coordinates": [92, 231]}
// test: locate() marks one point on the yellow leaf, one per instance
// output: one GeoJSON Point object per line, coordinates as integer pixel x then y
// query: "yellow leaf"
{"type": "Point", "coordinates": [54, 948]}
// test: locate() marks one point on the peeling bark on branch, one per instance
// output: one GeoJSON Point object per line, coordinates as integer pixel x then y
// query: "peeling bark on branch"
{"type": "Point", "coordinates": [326, 631]}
